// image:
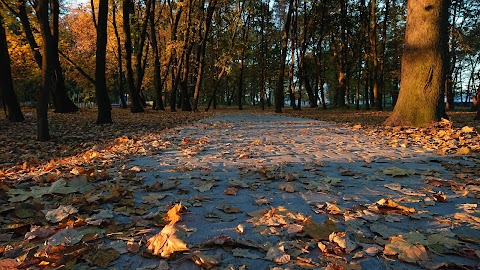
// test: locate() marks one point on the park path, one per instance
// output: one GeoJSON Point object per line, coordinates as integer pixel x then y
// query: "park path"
{"type": "Point", "coordinates": [227, 169]}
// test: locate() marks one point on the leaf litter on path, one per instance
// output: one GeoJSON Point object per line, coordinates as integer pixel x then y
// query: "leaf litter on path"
{"type": "Point", "coordinates": [84, 203]}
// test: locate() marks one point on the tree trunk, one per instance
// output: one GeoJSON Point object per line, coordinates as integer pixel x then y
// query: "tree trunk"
{"type": "Point", "coordinates": [452, 56]}
{"type": "Point", "coordinates": [424, 65]}
{"type": "Point", "coordinates": [123, 102]}
{"type": "Point", "coordinates": [43, 133]}
{"type": "Point", "coordinates": [157, 77]}
{"type": "Point", "coordinates": [383, 56]}
{"type": "Point", "coordinates": [139, 57]}
{"type": "Point", "coordinates": [477, 99]}
{"type": "Point", "coordinates": [201, 63]}
{"type": "Point", "coordinates": [136, 106]}
{"type": "Point", "coordinates": [104, 115]}
{"type": "Point", "coordinates": [186, 54]}
{"type": "Point", "coordinates": [377, 95]}
{"type": "Point", "coordinates": [61, 101]}
{"type": "Point", "coordinates": [279, 95]}
{"type": "Point", "coordinates": [7, 93]}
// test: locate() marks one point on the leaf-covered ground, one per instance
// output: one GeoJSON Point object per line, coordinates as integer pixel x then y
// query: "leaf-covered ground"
{"type": "Point", "coordinates": [239, 192]}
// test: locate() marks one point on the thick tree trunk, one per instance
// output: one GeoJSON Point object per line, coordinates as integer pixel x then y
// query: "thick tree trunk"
{"type": "Point", "coordinates": [7, 94]}
{"type": "Point", "coordinates": [61, 101]}
{"type": "Point", "coordinates": [104, 115]}
{"type": "Point", "coordinates": [136, 105]}
{"type": "Point", "coordinates": [43, 133]}
{"type": "Point", "coordinates": [279, 95]}
{"type": "Point", "coordinates": [173, 57]}
{"type": "Point", "coordinates": [157, 77]}
{"type": "Point", "coordinates": [424, 65]}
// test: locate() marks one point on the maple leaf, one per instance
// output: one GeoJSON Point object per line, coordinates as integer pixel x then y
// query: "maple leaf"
{"type": "Point", "coordinates": [412, 253]}
{"type": "Point", "coordinates": [165, 243]}
{"type": "Point", "coordinates": [61, 213]}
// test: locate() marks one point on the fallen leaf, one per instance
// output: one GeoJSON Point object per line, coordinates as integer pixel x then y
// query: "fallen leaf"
{"type": "Point", "coordinates": [317, 231]}
{"type": "Point", "coordinates": [165, 243]}
{"type": "Point", "coordinates": [244, 253]}
{"type": "Point", "coordinates": [102, 216]}
{"type": "Point", "coordinates": [230, 191]}
{"type": "Point", "coordinates": [204, 187]}
{"type": "Point", "coordinates": [343, 241]}
{"type": "Point", "coordinates": [412, 253]}
{"type": "Point", "coordinates": [388, 203]}
{"type": "Point", "coordinates": [288, 187]}
{"type": "Point", "coordinates": [463, 151]}
{"type": "Point", "coordinates": [398, 172]}
{"type": "Point", "coordinates": [228, 209]}
{"type": "Point", "coordinates": [203, 260]}
{"type": "Point", "coordinates": [173, 215]}
{"type": "Point", "coordinates": [277, 254]}
{"type": "Point", "coordinates": [467, 129]}
{"type": "Point", "coordinates": [39, 232]}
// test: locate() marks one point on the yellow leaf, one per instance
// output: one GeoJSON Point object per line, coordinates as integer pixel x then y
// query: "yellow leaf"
{"type": "Point", "coordinates": [391, 204]}
{"type": "Point", "coordinates": [173, 215]}
{"type": "Point", "coordinates": [463, 151]}
{"type": "Point", "coordinates": [165, 242]}
{"type": "Point", "coordinates": [467, 129]}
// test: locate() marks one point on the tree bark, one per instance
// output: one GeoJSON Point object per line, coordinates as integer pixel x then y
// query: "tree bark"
{"type": "Point", "coordinates": [61, 101]}
{"type": "Point", "coordinates": [104, 115]}
{"type": "Point", "coordinates": [201, 63]}
{"type": "Point", "coordinates": [43, 133]}
{"type": "Point", "coordinates": [121, 76]}
{"type": "Point", "coordinates": [424, 65]}
{"type": "Point", "coordinates": [139, 57]}
{"type": "Point", "coordinates": [136, 106]}
{"type": "Point", "coordinates": [157, 76]}
{"type": "Point", "coordinates": [377, 95]}
{"type": "Point", "coordinates": [279, 95]}
{"type": "Point", "coordinates": [7, 93]}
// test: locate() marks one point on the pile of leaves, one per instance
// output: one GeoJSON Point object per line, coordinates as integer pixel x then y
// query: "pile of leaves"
{"type": "Point", "coordinates": [76, 133]}
{"type": "Point", "coordinates": [457, 136]}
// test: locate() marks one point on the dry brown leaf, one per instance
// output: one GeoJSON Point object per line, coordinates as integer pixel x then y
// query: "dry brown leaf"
{"type": "Point", "coordinates": [231, 191]}
{"type": "Point", "coordinates": [317, 231]}
{"type": "Point", "coordinates": [203, 260]}
{"type": "Point", "coordinates": [388, 203]}
{"type": "Point", "coordinates": [412, 253]}
{"type": "Point", "coordinates": [165, 243]}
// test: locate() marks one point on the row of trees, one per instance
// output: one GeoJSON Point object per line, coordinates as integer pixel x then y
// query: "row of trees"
{"type": "Point", "coordinates": [182, 53]}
